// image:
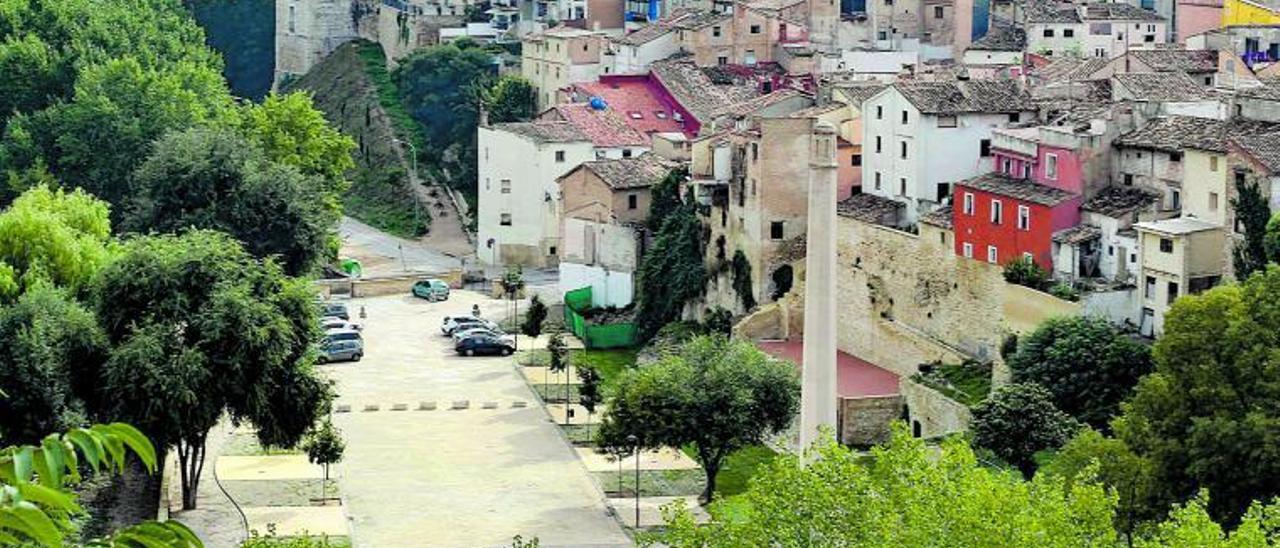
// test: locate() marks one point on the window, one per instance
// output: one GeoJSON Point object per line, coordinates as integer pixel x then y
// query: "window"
{"type": "Point", "coordinates": [505, 185]}
{"type": "Point", "coordinates": [968, 203]}
{"type": "Point", "coordinates": [1166, 245]}
{"type": "Point", "coordinates": [633, 201]}
{"type": "Point", "coordinates": [776, 230]}
{"type": "Point", "coordinates": [888, 2]}
{"type": "Point", "coordinates": [878, 148]}
{"type": "Point", "coordinates": [855, 160]}
{"type": "Point", "coordinates": [1128, 179]}
{"type": "Point", "coordinates": [755, 152]}
{"type": "Point", "coordinates": [293, 21]}
{"type": "Point", "coordinates": [997, 211]}
{"type": "Point", "coordinates": [1006, 166]}
{"type": "Point", "coordinates": [1099, 52]}
{"type": "Point", "coordinates": [1026, 171]}
{"type": "Point", "coordinates": [937, 12]}
{"type": "Point", "coordinates": [877, 180]}
{"type": "Point", "coordinates": [1024, 218]}
{"type": "Point", "coordinates": [902, 186]}
{"type": "Point", "coordinates": [755, 29]}
{"type": "Point", "coordinates": [904, 117]}
{"type": "Point", "coordinates": [984, 148]}
{"type": "Point", "coordinates": [1213, 163]}
{"type": "Point", "coordinates": [1175, 200]}
{"type": "Point", "coordinates": [1149, 38]}
{"type": "Point", "coordinates": [1048, 33]}
{"type": "Point", "coordinates": [879, 112]}
{"type": "Point", "coordinates": [902, 150]}
{"type": "Point", "coordinates": [1068, 33]}
{"type": "Point", "coordinates": [626, 153]}
{"type": "Point", "coordinates": [1015, 117]}
{"type": "Point", "coordinates": [943, 190]}
{"type": "Point", "coordinates": [559, 156]}
{"type": "Point", "coordinates": [1051, 166]}
{"type": "Point", "coordinates": [1150, 290]}
{"type": "Point", "coordinates": [551, 250]}
{"type": "Point", "coordinates": [722, 60]}
{"type": "Point", "coordinates": [993, 256]}
{"type": "Point", "coordinates": [715, 31]}
{"type": "Point", "coordinates": [968, 250]}
{"type": "Point", "coordinates": [1173, 292]}
{"type": "Point", "coordinates": [504, 219]}
{"type": "Point", "coordinates": [946, 121]}
{"type": "Point", "coordinates": [1213, 201]}
{"type": "Point", "coordinates": [1175, 157]}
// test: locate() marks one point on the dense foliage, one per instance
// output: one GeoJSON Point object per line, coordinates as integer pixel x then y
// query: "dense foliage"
{"type": "Point", "coordinates": [1252, 213]}
{"type": "Point", "coordinates": [511, 99]}
{"type": "Point", "coordinates": [52, 237]}
{"type": "Point", "coordinates": [244, 32]}
{"type": "Point", "coordinates": [1025, 272]}
{"type": "Point", "coordinates": [740, 271]}
{"type": "Point", "coordinates": [714, 393]}
{"type": "Point", "coordinates": [534, 317]}
{"type": "Point", "coordinates": [1019, 420]}
{"type": "Point", "coordinates": [671, 272]}
{"type": "Point", "coordinates": [1086, 364]}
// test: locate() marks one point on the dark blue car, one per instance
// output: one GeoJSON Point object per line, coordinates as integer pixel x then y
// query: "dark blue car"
{"type": "Point", "coordinates": [484, 344]}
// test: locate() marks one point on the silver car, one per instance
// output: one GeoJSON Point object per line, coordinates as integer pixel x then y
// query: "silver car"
{"type": "Point", "coordinates": [460, 334]}
{"type": "Point", "coordinates": [342, 350]}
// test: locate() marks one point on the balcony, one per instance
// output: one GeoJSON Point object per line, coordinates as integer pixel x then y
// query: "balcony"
{"type": "Point", "coordinates": [1020, 141]}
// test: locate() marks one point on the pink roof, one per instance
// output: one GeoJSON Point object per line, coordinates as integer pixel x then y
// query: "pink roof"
{"type": "Point", "coordinates": [629, 97]}
{"type": "Point", "coordinates": [855, 377]}
{"type": "Point", "coordinates": [604, 127]}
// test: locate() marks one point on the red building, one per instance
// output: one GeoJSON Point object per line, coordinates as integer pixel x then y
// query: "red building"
{"type": "Point", "coordinates": [998, 218]}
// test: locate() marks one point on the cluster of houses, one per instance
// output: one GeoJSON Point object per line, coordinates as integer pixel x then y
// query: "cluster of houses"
{"type": "Point", "coordinates": [1107, 143]}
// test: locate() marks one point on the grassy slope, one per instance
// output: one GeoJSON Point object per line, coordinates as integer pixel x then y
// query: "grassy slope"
{"type": "Point", "coordinates": [348, 91]}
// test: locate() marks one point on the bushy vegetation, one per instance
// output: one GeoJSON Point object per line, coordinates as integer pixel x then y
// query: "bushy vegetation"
{"type": "Point", "coordinates": [1025, 272]}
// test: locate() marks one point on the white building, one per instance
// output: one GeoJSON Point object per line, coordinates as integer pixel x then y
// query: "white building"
{"type": "Point", "coordinates": [634, 52]}
{"type": "Point", "coordinates": [1105, 30]}
{"type": "Point", "coordinates": [880, 66]}
{"type": "Point", "coordinates": [517, 218]}
{"type": "Point", "coordinates": [1178, 257]}
{"type": "Point", "coordinates": [919, 137]}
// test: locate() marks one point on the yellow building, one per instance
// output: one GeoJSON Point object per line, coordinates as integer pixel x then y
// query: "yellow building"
{"type": "Point", "coordinates": [1247, 12]}
{"type": "Point", "coordinates": [1178, 257]}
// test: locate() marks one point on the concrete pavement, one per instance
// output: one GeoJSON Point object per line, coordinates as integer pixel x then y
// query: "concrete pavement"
{"type": "Point", "coordinates": [442, 477]}
{"type": "Point", "coordinates": [381, 253]}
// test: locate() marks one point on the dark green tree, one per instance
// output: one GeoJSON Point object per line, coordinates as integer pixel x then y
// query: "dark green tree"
{"type": "Point", "coordinates": [200, 328]}
{"type": "Point", "coordinates": [665, 198]}
{"type": "Point", "coordinates": [1019, 420]}
{"type": "Point", "coordinates": [715, 393]}
{"type": "Point", "coordinates": [442, 89]}
{"type": "Point", "coordinates": [1025, 272]}
{"type": "Point", "coordinates": [1271, 240]}
{"type": "Point", "coordinates": [740, 269]}
{"type": "Point", "coordinates": [31, 70]}
{"type": "Point", "coordinates": [559, 361]}
{"type": "Point", "coordinates": [1090, 456]}
{"type": "Point", "coordinates": [1252, 214]}
{"type": "Point", "coordinates": [718, 320]}
{"type": "Point", "coordinates": [672, 272]}
{"type": "Point", "coordinates": [589, 395]}
{"type": "Point", "coordinates": [1208, 416]}
{"type": "Point", "coordinates": [534, 317]}
{"type": "Point", "coordinates": [1087, 365]}
{"type": "Point", "coordinates": [215, 179]}
{"type": "Point", "coordinates": [511, 99]}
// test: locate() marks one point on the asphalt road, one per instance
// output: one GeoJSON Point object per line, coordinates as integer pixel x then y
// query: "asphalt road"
{"type": "Point", "coordinates": [382, 253]}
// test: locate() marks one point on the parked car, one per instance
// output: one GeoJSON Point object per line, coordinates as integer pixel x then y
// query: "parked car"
{"type": "Point", "coordinates": [331, 323]}
{"type": "Point", "coordinates": [333, 309]}
{"type": "Point", "coordinates": [485, 344]}
{"type": "Point", "coordinates": [466, 331]}
{"type": "Point", "coordinates": [341, 350]}
{"type": "Point", "coordinates": [431, 289]}
{"type": "Point", "coordinates": [343, 335]}
{"type": "Point", "coordinates": [454, 323]}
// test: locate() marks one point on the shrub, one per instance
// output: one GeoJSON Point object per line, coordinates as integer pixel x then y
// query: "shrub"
{"type": "Point", "coordinates": [1025, 272]}
{"type": "Point", "coordinates": [1064, 291]}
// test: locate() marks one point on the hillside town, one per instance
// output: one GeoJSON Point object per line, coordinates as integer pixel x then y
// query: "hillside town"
{"type": "Point", "coordinates": [693, 273]}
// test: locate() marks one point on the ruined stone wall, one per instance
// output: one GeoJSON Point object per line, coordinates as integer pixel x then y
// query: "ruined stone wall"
{"type": "Point", "coordinates": [931, 412]}
{"type": "Point", "coordinates": [307, 31]}
{"type": "Point", "coordinates": [866, 421]}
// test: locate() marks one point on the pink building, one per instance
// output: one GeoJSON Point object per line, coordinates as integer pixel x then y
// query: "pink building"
{"type": "Point", "coordinates": [1197, 16]}
{"type": "Point", "coordinates": [1070, 157]}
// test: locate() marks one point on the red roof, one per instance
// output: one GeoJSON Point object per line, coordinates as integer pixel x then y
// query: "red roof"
{"type": "Point", "coordinates": [856, 378]}
{"type": "Point", "coordinates": [634, 100]}
{"type": "Point", "coordinates": [604, 127]}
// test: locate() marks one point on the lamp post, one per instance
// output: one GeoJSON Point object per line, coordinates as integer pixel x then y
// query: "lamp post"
{"type": "Point", "coordinates": [413, 181]}
{"type": "Point", "coordinates": [635, 443]}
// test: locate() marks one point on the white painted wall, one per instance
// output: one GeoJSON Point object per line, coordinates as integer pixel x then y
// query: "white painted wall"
{"type": "Point", "coordinates": [636, 59]}
{"type": "Point", "coordinates": [1118, 307]}
{"type": "Point", "coordinates": [608, 288]}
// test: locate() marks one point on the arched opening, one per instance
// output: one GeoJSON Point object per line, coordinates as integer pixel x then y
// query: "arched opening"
{"type": "Point", "coordinates": [782, 280]}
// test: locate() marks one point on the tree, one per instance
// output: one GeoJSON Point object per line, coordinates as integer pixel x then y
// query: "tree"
{"type": "Point", "coordinates": [1191, 525]}
{"type": "Point", "coordinates": [1207, 416]}
{"type": "Point", "coordinates": [215, 179]}
{"type": "Point", "coordinates": [672, 272]}
{"type": "Point", "coordinates": [1092, 456]}
{"type": "Point", "coordinates": [718, 320]}
{"type": "Point", "coordinates": [904, 494]}
{"type": "Point", "coordinates": [1271, 240]}
{"type": "Point", "coordinates": [31, 74]}
{"type": "Point", "coordinates": [291, 131]}
{"type": "Point", "coordinates": [48, 344]}
{"type": "Point", "coordinates": [324, 446]}
{"type": "Point", "coordinates": [36, 506]}
{"type": "Point", "coordinates": [534, 317]}
{"type": "Point", "coordinates": [715, 393]}
{"type": "Point", "coordinates": [1025, 272]}
{"type": "Point", "coordinates": [1018, 420]}
{"type": "Point", "coordinates": [52, 237]}
{"type": "Point", "coordinates": [589, 392]}
{"type": "Point", "coordinates": [665, 198]}
{"type": "Point", "coordinates": [200, 328]}
{"type": "Point", "coordinates": [511, 99]}
{"type": "Point", "coordinates": [1087, 365]}
{"type": "Point", "coordinates": [558, 363]}
{"type": "Point", "coordinates": [1252, 214]}
{"type": "Point", "coordinates": [741, 270]}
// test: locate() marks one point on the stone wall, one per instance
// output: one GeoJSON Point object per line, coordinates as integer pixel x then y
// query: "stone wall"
{"type": "Point", "coordinates": [866, 421]}
{"type": "Point", "coordinates": [930, 413]}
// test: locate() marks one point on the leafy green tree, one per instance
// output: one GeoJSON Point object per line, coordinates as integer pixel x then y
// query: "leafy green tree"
{"type": "Point", "coordinates": [291, 131]}
{"type": "Point", "coordinates": [534, 317]}
{"type": "Point", "coordinates": [1025, 272]}
{"type": "Point", "coordinates": [52, 237]}
{"type": "Point", "coordinates": [672, 272]}
{"type": "Point", "coordinates": [1190, 525]}
{"type": "Point", "coordinates": [1252, 214]}
{"type": "Point", "coordinates": [715, 393]}
{"type": "Point", "coordinates": [200, 328]}
{"type": "Point", "coordinates": [511, 99]}
{"type": "Point", "coordinates": [1271, 240]}
{"type": "Point", "coordinates": [441, 87]}
{"type": "Point", "coordinates": [665, 198]}
{"type": "Point", "coordinates": [1086, 364]}
{"type": "Point", "coordinates": [48, 343]}
{"type": "Point", "coordinates": [214, 179]}
{"type": "Point", "coordinates": [1092, 456]}
{"type": "Point", "coordinates": [589, 396]}
{"type": "Point", "coordinates": [1019, 420]}
{"type": "Point", "coordinates": [903, 494]}
{"type": "Point", "coordinates": [1208, 416]}
{"type": "Point", "coordinates": [558, 362]}
{"type": "Point", "coordinates": [31, 74]}
{"type": "Point", "coordinates": [37, 508]}
{"type": "Point", "coordinates": [741, 270]}
{"type": "Point", "coordinates": [324, 446]}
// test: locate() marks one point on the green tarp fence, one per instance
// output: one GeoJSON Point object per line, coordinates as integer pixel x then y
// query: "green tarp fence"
{"type": "Point", "coordinates": [617, 335]}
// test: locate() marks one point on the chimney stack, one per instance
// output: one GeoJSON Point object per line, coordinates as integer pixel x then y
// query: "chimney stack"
{"type": "Point", "coordinates": [818, 388]}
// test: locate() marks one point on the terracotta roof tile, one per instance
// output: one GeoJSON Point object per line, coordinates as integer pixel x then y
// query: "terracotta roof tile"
{"type": "Point", "coordinates": [1170, 60]}
{"type": "Point", "coordinates": [545, 131]}
{"type": "Point", "coordinates": [870, 208]}
{"type": "Point", "coordinates": [628, 173]}
{"type": "Point", "coordinates": [941, 217]}
{"type": "Point", "coordinates": [1018, 189]}
{"type": "Point", "coordinates": [1176, 133]}
{"type": "Point", "coordinates": [1162, 86]}
{"type": "Point", "coordinates": [968, 96]}
{"type": "Point", "coordinates": [605, 128]}
{"type": "Point", "coordinates": [632, 96]}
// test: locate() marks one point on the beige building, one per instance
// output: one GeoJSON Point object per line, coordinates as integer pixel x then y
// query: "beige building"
{"type": "Point", "coordinates": [1176, 257]}
{"type": "Point", "coordinates": [612, 191]}
{"type": "Point", "coordinates": [561, 56]}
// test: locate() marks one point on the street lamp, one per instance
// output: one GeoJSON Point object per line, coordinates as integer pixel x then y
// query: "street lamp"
{"type": "Point", "coordinates": [635, 443]}
{"type": "Point", "coordinates": [413, 181]}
